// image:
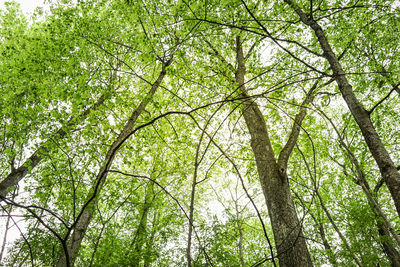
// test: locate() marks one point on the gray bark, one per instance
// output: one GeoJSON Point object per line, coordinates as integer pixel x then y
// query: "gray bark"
{"type": "Point", "coordinates": [287, 229]}
{"type": "Point", "coordinates": [3, 246]}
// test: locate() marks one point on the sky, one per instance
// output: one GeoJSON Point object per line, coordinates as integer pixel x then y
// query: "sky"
{"type": "Point", "coordinates": [27, 6]}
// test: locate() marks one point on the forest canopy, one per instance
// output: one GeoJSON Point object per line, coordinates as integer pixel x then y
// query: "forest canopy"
{"type": "Point", "coordinates": [200, 133]}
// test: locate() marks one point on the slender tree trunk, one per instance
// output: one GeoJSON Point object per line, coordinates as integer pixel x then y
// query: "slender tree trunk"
{"type": "Point", "coordinates": [96, 245]}
{"type": "Point", "coordinates": [83, 220]}
{"type": "Point", "coordinates": [385, 229]}
{"type": "Point", "coordinates": [141, 233]}
{"type": "Point", "coordinates": [287, 229]}
{"type": "Point", "coordinates": [197, 162]}
{"type": "Point", "coordinates": [384, 226]}
{"type": "Point", "coordinates": [239, 226]}
{"type": "Point", "coordinates": [327, 213]}
{"type": "Point", "coordinates": [3, 246]}
{"type": "Point", "coordinates": [321, 229]}
{"type": "Point", "coordinates": [150, 240]}
{"type": "Point", "coordinates": [327, 246]}
{"type": "Point", "coordinates": [386, 166]}
{"type": "Point", "coordinates": [344, 240]}
{"type": "Point", "coordinates": [389, 249]}
{"type": "Point", "coordinates": [191, 213]}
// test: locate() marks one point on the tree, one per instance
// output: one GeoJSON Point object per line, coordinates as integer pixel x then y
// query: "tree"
{"type": "Point", "coordinates": [201, 133]}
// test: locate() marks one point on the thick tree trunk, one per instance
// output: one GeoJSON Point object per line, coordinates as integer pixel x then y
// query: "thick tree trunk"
{"type": "Point", "coordinates": [83, 220]}
{"type": "Point", "coordinates": [287, 229]}
{"type": "Point", "coordinates": [386, 166]}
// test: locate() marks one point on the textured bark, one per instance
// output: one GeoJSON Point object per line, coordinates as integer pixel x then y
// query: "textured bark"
{"type": "Point", "coordinates": [287, 229]}
{"type": "Point", "coordinates": [386, 166]}
{"type": "Point", "coordinates": [83, 220]}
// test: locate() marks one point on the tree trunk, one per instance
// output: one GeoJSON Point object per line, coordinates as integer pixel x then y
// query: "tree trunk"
{"type": "Point", "coordinates": [140, 237]}
{"type": "Point", "coordinates": [386, 166]}
{"type": "Point", "coordinates": [87, 212]}
{"type": "Point", "coordinates": [3, 246]}
{"type": "Point", "coordinates": [191, 214]}
{"type": "Point", "coordinates": [239, 225]}
{"type": "Point", "coordinates": [150, 240]}
{"type": "Point", "coordinates": [287, 229]}
{"type": "Point", "coordinates": [384, 226]}
{"type": "Point", "coordinates": [327, 246]}
{"type": "Point", "coordinates": [341, 236]}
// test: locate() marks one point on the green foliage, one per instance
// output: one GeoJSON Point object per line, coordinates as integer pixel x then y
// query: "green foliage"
{"type": "Point", "coordinates": [71, 78]}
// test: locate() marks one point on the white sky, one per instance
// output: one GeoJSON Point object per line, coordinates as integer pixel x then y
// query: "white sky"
{"type": "Point", "coordinates": [27, 6]}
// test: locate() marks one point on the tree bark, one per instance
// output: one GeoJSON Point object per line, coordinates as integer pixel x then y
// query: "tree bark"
{"type": "Point", "coordinates": [386, 166]}
{"type": "Point", "coordinates": [287, 229]}
{"type": "Point", "coordinates": [83, 220]}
